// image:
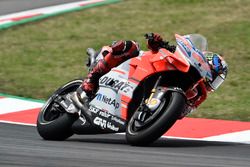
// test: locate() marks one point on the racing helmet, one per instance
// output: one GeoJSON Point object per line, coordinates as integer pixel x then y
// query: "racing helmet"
{"type": "Point", "coordinates": [219, 69]}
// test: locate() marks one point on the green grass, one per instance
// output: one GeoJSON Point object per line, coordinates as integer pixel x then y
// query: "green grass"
{"type": "Point", "coordinates": [36, 58]}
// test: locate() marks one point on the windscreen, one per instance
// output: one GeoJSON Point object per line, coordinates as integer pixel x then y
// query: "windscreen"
{"type": "Point", "coordinates": [199, 41]}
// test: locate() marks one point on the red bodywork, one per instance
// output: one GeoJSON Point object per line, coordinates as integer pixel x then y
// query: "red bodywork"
{"type": "Point", "coordinates": [153, 62]}
{"type": "Point", "coordinates": [163, 60]}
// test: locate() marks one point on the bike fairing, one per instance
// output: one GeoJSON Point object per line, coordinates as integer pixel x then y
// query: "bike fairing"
{"type": "Point", "coordinates": [113, 83]}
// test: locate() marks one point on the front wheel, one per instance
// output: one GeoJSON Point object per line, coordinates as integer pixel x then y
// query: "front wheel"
{"type": "Point", "coordinates": [53, 122]}
{"type": "Point", "coordinates": [168, 112]}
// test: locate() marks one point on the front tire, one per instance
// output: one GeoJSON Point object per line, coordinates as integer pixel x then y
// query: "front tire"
{"type": "Point", "coordinates": [53, 123]}
{"type": "Point", "coordinates": [170, 110]}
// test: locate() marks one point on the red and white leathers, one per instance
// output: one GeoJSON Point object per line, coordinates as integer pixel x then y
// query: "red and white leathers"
{"type": "Point", "coordinates": [113, 55]}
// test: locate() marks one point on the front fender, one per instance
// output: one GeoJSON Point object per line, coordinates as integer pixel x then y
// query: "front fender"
{"type": "Point", "coordinates": [160, 91]}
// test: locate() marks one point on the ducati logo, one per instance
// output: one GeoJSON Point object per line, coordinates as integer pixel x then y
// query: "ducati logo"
{"type": "Point", "coordinates": [115, 84]}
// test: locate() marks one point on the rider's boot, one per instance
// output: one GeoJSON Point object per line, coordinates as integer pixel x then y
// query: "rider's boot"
{"type": "Point", "coordinates": [89, 86]}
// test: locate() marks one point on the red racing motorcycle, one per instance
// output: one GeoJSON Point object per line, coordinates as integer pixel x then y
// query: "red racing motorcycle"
{"type": "Point", "coordinates": [144, 96]}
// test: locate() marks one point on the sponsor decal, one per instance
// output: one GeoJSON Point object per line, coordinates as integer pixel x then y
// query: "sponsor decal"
{"type": "Point", "coordinates": [106, 115]}
{"type": "Point", "coordinates": [112, 127]}
{"type": "Point", "coordinates": [99, 112]}
{"type": "Point", "coordinates": [94, 109]}
{"type": "Point", "coordinates": [100, 122]}
{"type": "Point", "coordinates": [115, 84]}
{"type": "Point", "coordinates": [107, 100]}
{"type": "Point", "coordinates": [104, 124]}
{"type": "Point", "coordinates": [117, 120]}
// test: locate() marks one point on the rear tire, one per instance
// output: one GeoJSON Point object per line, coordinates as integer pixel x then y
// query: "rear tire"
{"type": "Point", "coordinates": [170, 112]}
{"type": "Point", "coordinates": [56, 124]}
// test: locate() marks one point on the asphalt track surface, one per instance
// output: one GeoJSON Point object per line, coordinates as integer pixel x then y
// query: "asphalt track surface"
{"type": "Point", "coordinates": [22, 146]}
{"type": "Point", "coordinates": [13, 6]}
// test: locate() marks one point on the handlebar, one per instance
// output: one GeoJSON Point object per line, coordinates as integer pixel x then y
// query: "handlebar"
{"type": "Point", "coordinates": [162, 44]}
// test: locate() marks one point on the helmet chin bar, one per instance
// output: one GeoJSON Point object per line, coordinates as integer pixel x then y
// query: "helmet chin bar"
{"type": "Point", "coordinates": [217, 81]}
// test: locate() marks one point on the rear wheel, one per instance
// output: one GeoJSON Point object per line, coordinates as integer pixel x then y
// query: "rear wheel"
{"type": "Point", "coordinates": [53, 123]}
{"type": "Point", "coordinates": [162, 119]}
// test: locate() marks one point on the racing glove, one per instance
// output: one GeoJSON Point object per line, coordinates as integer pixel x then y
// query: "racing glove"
{"type": "Point", "coordinates": [154, 41]}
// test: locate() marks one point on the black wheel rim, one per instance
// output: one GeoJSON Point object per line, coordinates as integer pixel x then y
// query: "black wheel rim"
{"type": "Point", "coordinates": [149, 121]}
{"type": "Point", "coordinates": [52, 112]}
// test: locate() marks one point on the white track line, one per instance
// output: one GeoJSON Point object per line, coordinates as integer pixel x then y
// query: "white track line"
{"type": "Point", "coordinates": [9, 105]}
{"type": "Point", "coordinates": [16, 123]}
{"type": "Point", "coordinates": [46, 10]}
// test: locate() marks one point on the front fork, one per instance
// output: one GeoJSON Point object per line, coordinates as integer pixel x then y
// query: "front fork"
{"type": "Point", "coordinates": [152, 102]}
{"type": "Point", "coordinates": [157, 93]}
{"type": "Point", "coordinates": [147, 106]}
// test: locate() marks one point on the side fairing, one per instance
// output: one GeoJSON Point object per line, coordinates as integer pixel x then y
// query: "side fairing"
{"type": "Point", "coordinates": [116, 88]}
{"type": "Point", "coordinates": [115, 91]}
